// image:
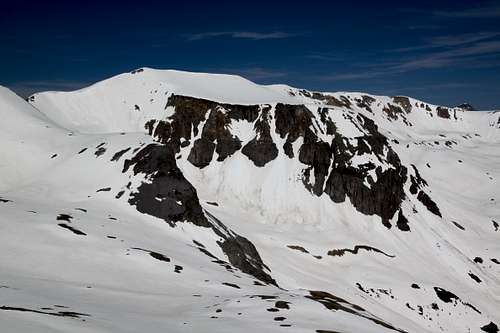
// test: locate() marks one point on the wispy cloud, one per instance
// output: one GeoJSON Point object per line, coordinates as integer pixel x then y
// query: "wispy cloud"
{"type": "Point", "coordinates": [448, 41]}
{"type": "Point", "coordinates": [325, 56]}
{"type": "Point", "coordinates": [440, 86]}
{"type": "Point", "coordinates": [490, 11]}
{"type": "Point", "coordinates": [242, 35]}
{"type": "Point", "coordinates": [479, 55]}
{"type": "Point", "coordinates": [423, 27]}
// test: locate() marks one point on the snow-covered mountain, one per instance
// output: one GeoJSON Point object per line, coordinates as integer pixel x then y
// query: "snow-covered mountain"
{"type": "Point", "coordinates": [167, 201]}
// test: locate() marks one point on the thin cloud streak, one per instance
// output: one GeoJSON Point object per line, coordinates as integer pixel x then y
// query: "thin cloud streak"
{"type": "Point", "coordinates": [449, 41]}
{"type": "Point", "coordinates": [491, 11]}
{"type": "Point", "coordinates": [242, 35]}
{"type": "Point", "coordinates": [465, 56]}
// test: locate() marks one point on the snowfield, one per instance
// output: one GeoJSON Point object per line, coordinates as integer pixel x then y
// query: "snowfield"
{"type": "Point", "coordinates": [168, 201]}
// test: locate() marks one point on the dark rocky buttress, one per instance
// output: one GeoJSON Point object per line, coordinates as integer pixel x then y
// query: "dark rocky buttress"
{"type": "Point", "coordinates": [372, 188]}
{"type": "Point", "coordinates": [168, 195]}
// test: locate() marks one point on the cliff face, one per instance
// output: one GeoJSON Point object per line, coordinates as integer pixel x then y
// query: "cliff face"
{"type": "Point", "coordinates": [361, 167]}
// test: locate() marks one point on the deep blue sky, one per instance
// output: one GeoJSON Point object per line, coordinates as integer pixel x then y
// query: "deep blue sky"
{"type": "Point", "coordinates": [445, 52]}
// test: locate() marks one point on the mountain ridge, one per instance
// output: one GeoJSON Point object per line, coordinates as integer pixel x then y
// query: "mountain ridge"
{"type": "Point", "coordinates": [313, 214]}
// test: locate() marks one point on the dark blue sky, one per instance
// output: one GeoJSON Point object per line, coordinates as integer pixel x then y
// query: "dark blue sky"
{"type": "Point", "coordinates": [445, 52]}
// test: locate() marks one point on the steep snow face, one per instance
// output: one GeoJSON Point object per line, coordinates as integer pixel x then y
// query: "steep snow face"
{"type": "Point", "coordinates": [224, 204]}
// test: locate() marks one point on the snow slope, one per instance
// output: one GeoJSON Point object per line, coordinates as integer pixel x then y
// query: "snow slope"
{"type": "Point", "coordinates": [125, 102]}
{"type": "Point", "coordinates": [222, 205]}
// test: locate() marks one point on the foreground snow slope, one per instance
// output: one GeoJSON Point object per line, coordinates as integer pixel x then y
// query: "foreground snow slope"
{"type": "Point", "coordinates": [217, 204]}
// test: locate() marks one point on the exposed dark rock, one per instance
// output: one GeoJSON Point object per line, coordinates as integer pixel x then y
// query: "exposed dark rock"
{"type": "Point", "coordinates": [459, 226]}
{"type": "Point", "coordinates": [335, 303]}
{"type": "Point", "coordinates": [64, 217]}
{"type": "Point", "coordinates": [383, 197]}
{"type": "Point", "coordinates": [418, 178]}
{"type": "Point", "coordinates": [248, 113]}
{"type": "Point", "coordinates": [478, 260]}
{"type": "Point", "coordinates": [466, 107]}
{"type": "Point", "coordinates": [119, 154]}
{"type": "Point", "coordinates": [445, 295]}
{"type": "Point", "coordinates": [226, 147]}
{"type": "Point", "coordinates": [318, 156]}
{"type": "Point", "coordinates": [168, 187]}
{"type": "Point", "coordinates": [74, 230]}
{"type": "Point", "coordinates": [159, 256]}
{"type": "Point", "coordinates": [343, 102]}
{"type": "Point", "coordinates": [70, 314]}
{"type": "Point", "coordinates": [216, 136]}
{"type": "Point", "coordinates": [449, 297]}
{"type": "Point", "coordinates": [105, 189]}
{"type": "Point", "coordinates": [135, 71]}
{"type": "Point", "coordinates": [365, 102]}
{"type": "Point", "coordinates": [202, 152]}
{"type": "Point", "coordinates": [243, 255]}
{"type": "Point", "coordinates": [298, 248]}
{"type": "Point", "coordinates": [402, 222]}
{"type": "Point", "coordinates": [231, 285]}
{"type": "Point", "coordinates": [260, 152]}
{"type": "Point", "coordinates": [392, 111]}
{"type": "Point", "coordinates": [404, 102]}
{"type": "Point", "coordinates": [341, 252]}
{"type": "Point", "coordinates": [429, 203]}
{"type": "Point", "coordinates": [474, 277]}
{"type": "Point", "coordinates": [282, 305]}
{"type": "Point", "coordinates": [183, 124]}
{"type": "Point", "coordinates": [172, 198]}
{"type": "Point", "coordinates": [292, 121]}
{"type": "Point", "coordinates": [490, 328]}
{"type": "Point", "coordinates": [261, 149]}
{"type": "Point", "coordinates": [216, 129]}
{"type": "Point", "coordinates": [100, 151]}
{"type": "Point", "coordinates": [415, 286]}
{"type": "Point", "coordinates": [331, 129]}
{"type": "Point", "coordinates": [443, 112]}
